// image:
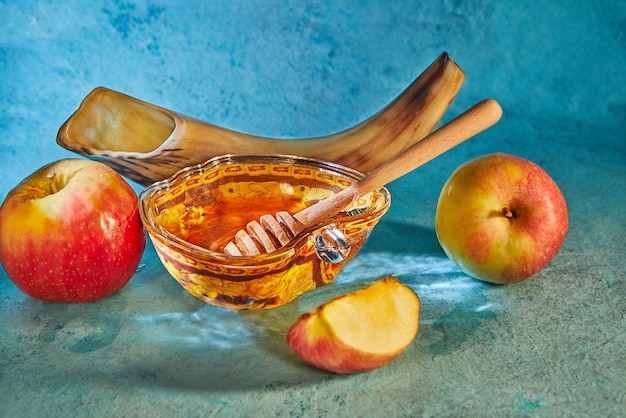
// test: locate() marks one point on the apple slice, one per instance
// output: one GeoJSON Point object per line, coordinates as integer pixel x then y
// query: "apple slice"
{"type": "Point", "coordinates": [358, 331]}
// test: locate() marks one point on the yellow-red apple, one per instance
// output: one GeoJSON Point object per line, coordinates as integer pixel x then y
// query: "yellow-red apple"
{"type": "Point", "coordinates": [71, 232]}
{"type": "Point", "coordinates": [358, 331]}
{"type": "Point", "coordinates": [501, 218]}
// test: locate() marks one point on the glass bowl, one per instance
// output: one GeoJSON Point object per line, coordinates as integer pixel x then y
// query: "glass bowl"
{"type": "Point", "coordinates": [192, 215]}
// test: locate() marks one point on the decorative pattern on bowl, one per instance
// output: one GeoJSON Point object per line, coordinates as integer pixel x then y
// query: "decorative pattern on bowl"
{"type": "Point", "coordinates": [192, 215]}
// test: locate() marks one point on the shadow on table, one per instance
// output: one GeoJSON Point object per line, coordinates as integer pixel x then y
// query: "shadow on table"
{"type": "Point", "coordinates": [155, 334]}
{"type": "Point", "coordinates": [400, 237]}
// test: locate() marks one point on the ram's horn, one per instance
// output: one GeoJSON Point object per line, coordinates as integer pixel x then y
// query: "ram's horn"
{"type": "Point", "coordinates": [147, 143]}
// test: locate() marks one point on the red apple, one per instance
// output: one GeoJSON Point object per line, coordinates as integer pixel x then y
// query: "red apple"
{"type": "Point", "coordinates": [501, 218]}
{"type": "Point", "coordinates": [71, 232]}
{"type": "Point", "coordinates": [358, 331]}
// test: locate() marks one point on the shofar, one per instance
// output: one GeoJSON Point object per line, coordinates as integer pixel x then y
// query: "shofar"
{"type": "Point", "coordinates": [147, 143]}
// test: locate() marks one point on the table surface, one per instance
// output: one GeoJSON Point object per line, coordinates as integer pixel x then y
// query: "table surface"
{"type": "Point", "coordinates": [550, 346]}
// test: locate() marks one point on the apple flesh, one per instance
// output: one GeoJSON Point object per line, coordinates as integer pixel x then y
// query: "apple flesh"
{"type": "Point", "coordinates": [501, 218]}
{"type": "Point", "coordinates": [358, 331]}
{"type": "Point", "coordinates": [71, 232]}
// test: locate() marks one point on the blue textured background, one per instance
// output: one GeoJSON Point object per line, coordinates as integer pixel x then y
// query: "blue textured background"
{"type": "Point", "coordinates": [293, 69]}
{"type": "Point", "coordinates": [307, 68]}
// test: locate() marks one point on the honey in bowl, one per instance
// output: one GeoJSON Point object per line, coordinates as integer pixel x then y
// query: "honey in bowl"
{"type": "Point", "coordinates": [212, 219]}
{"type": "Point", "coordinates": [192, 216]}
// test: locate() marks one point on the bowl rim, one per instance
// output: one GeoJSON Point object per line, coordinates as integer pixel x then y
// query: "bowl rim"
{"type": "Point", "coordinates": [156, 231]}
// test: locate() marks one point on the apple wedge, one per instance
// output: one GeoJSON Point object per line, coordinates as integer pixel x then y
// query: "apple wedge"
{"type": "Point", "coordinates": [358, 331]}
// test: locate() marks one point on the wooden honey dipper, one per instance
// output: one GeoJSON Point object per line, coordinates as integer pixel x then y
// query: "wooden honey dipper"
{"type": "Point", "coordinates": [270, 233]}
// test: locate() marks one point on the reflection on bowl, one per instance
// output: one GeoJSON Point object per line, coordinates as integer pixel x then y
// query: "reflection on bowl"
{"type": "Point", "coordinates": [193, 214]}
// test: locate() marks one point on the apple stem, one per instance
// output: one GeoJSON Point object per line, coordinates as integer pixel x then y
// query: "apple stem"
{"type": "Point", "coordinates": [53, 182]}
{"type": "Point", "coordinates": [508, 213]}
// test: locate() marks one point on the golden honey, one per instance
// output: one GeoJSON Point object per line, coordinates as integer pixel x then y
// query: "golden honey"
{"type": "Point", "coordinates": [212, 221]}
{"type": "Point", "coordinates": [191, 216]}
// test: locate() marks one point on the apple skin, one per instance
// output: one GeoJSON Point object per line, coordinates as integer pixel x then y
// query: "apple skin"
{"type": "Point", "coordinates": [71, 232]}
{"type": "Point", "coordinates": [501, 218]}
{"type": "Point", "coordinates": [385, 310]}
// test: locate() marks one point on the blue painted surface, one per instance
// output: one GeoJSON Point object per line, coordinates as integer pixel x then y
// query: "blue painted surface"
{"type": "Point", "coordinates": [552, 345]}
